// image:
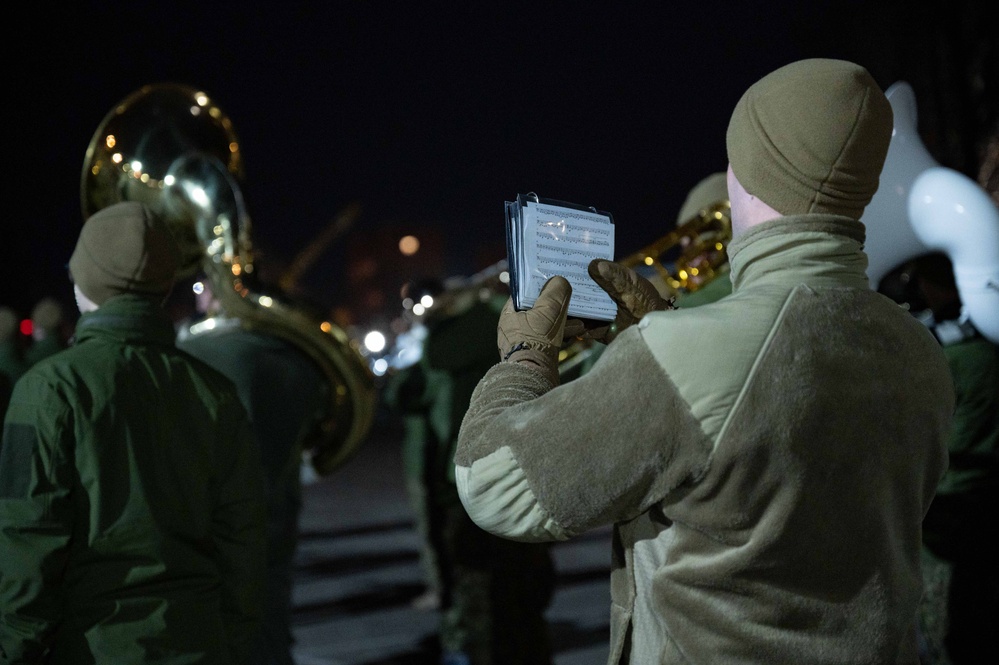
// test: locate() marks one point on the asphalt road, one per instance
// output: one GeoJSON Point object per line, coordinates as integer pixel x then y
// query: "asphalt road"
{"type": "Point", "coordinates": [357, 573]}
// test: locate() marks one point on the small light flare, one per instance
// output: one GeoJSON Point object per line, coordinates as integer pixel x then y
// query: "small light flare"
{"type": "Point", "coordinates": [427, 301]}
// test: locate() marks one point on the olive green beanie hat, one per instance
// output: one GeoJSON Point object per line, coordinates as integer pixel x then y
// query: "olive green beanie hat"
{"type": "Point", "coordinates": [124, 248]}
{"type": "Point", "coordinates": [47, 314]}
{"type": "Point", "coordinates": [811, 137]}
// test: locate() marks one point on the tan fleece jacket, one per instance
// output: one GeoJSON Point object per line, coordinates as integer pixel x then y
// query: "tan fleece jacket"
{"type": "Point", "coordinates": [766, 461]}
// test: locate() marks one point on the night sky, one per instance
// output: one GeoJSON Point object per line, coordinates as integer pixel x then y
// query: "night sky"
{"type": "Point", "coordinates": [422, 116]}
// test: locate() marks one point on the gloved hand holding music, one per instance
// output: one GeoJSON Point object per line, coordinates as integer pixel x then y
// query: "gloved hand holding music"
{"type": "Point", "coordinates": [635, 297]}
{"type": "Point", "coordinates": [534, 336]}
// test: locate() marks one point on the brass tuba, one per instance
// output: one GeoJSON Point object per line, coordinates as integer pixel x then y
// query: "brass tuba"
{"type": "Point", "coordinates": [171, 147]}
{"type": "Point", "coordinates": [921, 207]}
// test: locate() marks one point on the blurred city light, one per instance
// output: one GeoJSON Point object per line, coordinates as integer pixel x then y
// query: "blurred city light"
{"type": "Point", "coordinates": [374, 341]}
{"type": "Point", "coordinates": [409, 245]}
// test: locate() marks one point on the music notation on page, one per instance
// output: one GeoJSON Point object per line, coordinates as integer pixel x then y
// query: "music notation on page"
{"type": "Point", "coordinates": [546, 237]}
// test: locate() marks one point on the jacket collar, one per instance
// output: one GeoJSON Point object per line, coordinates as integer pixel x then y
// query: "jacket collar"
{"type": "Point", "coordinates": [128, 318]}
{"type": "Point", "coordinates": [813, 249]}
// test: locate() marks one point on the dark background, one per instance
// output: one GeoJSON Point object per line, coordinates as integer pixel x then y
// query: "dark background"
{"type": "Point", "coordinates": [432, 116]}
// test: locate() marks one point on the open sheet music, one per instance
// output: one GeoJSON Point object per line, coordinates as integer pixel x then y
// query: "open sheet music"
{"type": "Point", "coordinates": [546, 237]}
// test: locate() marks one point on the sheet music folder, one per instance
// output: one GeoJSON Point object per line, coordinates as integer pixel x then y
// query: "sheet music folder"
{"type": "Point", "coordinates": [547, 237]}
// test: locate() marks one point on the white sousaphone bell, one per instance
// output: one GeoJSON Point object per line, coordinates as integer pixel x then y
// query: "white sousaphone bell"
{"type": "Point", "coordinates": [923, 207]}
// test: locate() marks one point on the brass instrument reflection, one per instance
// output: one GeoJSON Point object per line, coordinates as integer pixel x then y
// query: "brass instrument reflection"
{"type": "Point", "coordinates": [684, 262]}
{"type": "Point", "coordinates": [170, 146]}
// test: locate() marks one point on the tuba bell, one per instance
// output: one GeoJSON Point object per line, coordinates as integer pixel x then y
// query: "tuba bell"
{"type": "Point", "coordinates": [171, 147]}
{"type": "Point", "coordinates": [921, 206]}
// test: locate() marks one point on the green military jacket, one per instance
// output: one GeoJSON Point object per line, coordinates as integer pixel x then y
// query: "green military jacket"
{"type": "Point", "coordinates": [974, 439]}
{"type": "Point", "coordinates": [12, 362]}
{"type": "Point", "coordinates": [952, 530]}
{"type": "Point", "coordinates": [766, 461]}
{"type": "Point", "coordinates": [457, 352]}
{"type": "Point", "coordinates": [43, 348]}
{"type": "Point", "coordinates": [131, 503]}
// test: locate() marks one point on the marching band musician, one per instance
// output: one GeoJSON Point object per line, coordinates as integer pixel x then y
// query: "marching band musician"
{"type": "Point", "coordinates": [131, 509]}
{"type": "Point", "coordinates": [961, 585]}
{"type": "Point", "coordinates": [12, 362]}
{"type": "Point", "coordinates": [767, 459]}
{"type": "Point", "coordinates": [47, 335]}
{"type": "Point", "coordinates": [404, 392]}
{"type": "Point", "coordinates": [283, 391]}
{"type": "Point", "coordinates": [709, 190]}
{"type": "Point", "coordinates": [493, 592]}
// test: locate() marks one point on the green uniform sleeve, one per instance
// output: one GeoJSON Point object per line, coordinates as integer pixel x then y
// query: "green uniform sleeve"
{"type": "Point", "coordinates": [36, 518]}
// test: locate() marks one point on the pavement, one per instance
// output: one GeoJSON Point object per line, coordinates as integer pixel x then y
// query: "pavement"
{"type": "Point", "coordinates": [357, 572]}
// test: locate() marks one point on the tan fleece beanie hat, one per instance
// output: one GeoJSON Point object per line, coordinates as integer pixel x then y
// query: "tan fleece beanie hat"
{"type": "Point", "coordinates": [707, 192]}
{"type": "Point", "coordinates": [811, 137]}
{"type": "Point", "coordinates": [124, 248]}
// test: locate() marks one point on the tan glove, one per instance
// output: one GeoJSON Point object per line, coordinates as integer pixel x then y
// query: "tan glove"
{"type": "Point", "coordinates": [635, 297]}
{"type": "Point", "coordinates": [534, 336]}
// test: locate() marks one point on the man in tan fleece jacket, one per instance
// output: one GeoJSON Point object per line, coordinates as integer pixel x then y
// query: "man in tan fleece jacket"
{"type": "Point", "coordinates": [766, 460]}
